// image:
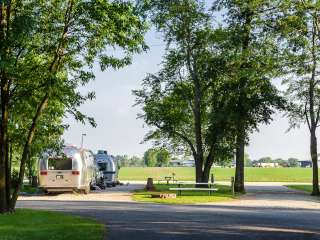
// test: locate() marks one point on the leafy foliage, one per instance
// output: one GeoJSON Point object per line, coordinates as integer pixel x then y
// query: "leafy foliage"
{"type": "Point", "coordinates": [299, 31]}
{"type": "Point", "coordinates": [48, 49]}
{"type": "Point", "coordinates": [184, 101]}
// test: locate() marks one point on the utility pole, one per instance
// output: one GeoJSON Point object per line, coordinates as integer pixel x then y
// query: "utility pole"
{"type": "Point", "coordinates": [83, 135]}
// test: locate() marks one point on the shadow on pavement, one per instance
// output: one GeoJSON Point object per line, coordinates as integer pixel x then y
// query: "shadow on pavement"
{"type": "Point", "coordinates": [151, 221]}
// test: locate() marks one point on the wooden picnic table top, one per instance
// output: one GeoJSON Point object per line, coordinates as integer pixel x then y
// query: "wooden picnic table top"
{"type": "Point", "coordinates": [196, 189]}
{"type": "Point", "coordinates": [195, 183]}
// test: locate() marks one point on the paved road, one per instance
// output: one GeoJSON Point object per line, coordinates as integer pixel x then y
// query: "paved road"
{"type": "Point", "coordinates": [267, 213]}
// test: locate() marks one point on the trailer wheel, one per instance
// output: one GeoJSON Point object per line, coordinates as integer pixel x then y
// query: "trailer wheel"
{"type": "Point", "coordinates": [86, 190]}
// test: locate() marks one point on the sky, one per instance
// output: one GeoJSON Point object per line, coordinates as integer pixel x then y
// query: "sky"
{"type": "Point", "coordinates": [120, 132]}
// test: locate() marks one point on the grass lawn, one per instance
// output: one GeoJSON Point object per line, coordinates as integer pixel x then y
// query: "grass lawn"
{"type": "Point", "coordinates": [221, 174]}
{"type": "Point", "coordinates": [28, 224]}
{"type": "Point", "coordinates": [306, 188]}
{"type": "Point", "coordinates": [29, 189]}
{"type": "Point", "coordinates": [188, 197]}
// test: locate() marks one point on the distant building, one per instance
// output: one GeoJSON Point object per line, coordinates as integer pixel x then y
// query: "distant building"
{"type": "Point", "coordinates": [188, 163]}
{"type": "Point", "coordinates": [305, 163]}
{"type": "Point", "coordinates": [175, 163]}
{"type": "Point", "coordinates": [267, 164]}
{"type": "Point", "coordinates": [182, 163]}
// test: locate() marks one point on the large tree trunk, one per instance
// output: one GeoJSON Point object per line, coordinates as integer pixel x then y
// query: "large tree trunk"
{"type": "Point", "coordinates": [198, 130]}
{"type": "Point", "coordinates": [207, 166]}
{"type": "Point", "coordinates": [3, 193]}
{"type": "Point", "coordinates": [206, 172]}
{"type": "Point", "coordinates": [198, 171]}
{"type": "Point", "coordinates": [5, 14]}
{"type": "Point", "coordinates": [314, 157]}
{"type": "Point", "coordinates": [313, 117]}
{"type": "Point", "coordinates": [239, 172]}
{"type": "Point", "coordinates": [8, 173]}
{"type": "Point", "coordinates": [3, 147]}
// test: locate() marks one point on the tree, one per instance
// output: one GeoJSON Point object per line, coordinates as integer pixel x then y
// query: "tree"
{"type": "Point", "coordinates": [184, 102]}
{"type": "Point", "coordinates": [293, 162]}
{"type": "Point", "coordinates": [281, 162]}
{"type": "Point", "coordinates": [299, 27]}
{"type": "Point", "coordinates": [252, 65]}
{"type": "Point", "coordinates": [122, 160]}
{"type": "Point", "coordinates": [150, 158]}
{"type": "Point", "coordinates": [135, 161]}
{"type": "Point", "coordinates": [265, 160]}
{"type": "Point", "coordinates": [163, 157]}
{"type": "Point", "coordinates": [47, 50]}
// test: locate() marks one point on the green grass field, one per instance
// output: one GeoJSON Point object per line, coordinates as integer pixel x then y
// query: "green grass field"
{"type": "Point", "coordinates": [40, 225]}
{"type": "Point", "coordinates": [188, 197]}
{"type": "Point", "coordinates": [221, 174]}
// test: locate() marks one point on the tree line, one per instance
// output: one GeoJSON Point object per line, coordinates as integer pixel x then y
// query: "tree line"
{"type": "Point", "coordinates": [216, 82]}
{"type": "Point", "coordinates": [290, 162]}
{"type": "Point", "coordinates": [153, 157]}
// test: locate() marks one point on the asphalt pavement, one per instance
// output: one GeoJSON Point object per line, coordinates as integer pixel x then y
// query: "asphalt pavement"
{"type": "Point", "coordinates": [293, 215]}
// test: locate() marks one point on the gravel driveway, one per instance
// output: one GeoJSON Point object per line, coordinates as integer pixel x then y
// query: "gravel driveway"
{"type": "Point", "coordinates": [267, 212]}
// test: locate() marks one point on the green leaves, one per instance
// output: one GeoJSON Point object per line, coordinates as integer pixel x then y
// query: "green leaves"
{"type": "Point", "coordinates": [47, 51]}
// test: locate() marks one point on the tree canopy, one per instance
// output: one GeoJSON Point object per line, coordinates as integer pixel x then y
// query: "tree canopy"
{"type": "Point", "coordinates": [48, 49]}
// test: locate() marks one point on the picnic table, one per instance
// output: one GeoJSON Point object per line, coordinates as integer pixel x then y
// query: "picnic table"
{"type": "Point", "coordinates": [167, 179]}
{"type": "Point", "coordinates": [209, 187]}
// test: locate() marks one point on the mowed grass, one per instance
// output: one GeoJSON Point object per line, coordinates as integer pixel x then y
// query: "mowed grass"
{"type": "Point", "coordinates": [220, 174]}
{"type": "Point", "coordinates": [188, 197]}
{"type": "Point", "coordinates": [28, 224]}
{"type": "Point", "coordinates": [306, 188]}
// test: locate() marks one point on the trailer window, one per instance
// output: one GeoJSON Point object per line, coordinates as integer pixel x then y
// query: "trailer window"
{"type": "Point", "coordinates": [102, 166]}
{"type": "Point", "coordinates": [61, 163]}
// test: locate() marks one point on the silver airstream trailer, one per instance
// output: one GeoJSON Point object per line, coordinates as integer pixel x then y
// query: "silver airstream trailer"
{"type": "Point", "coordinates": [108, 166]}
{"type": "Point", "coordinates": [72, 170]}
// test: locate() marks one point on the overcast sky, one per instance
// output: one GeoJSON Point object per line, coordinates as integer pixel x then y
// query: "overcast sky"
{"type": "Point", "coordinates": [119, 131]}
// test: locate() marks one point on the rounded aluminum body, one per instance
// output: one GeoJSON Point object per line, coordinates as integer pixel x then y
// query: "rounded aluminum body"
{"type": "Point", "coordinates": [74, 169]}
{"type": "Point", "coordinates": [108, 166]}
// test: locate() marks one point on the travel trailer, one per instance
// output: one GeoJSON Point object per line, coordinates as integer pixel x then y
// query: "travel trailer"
{"type": "Point", "coordinates": [108, 166]}
{"type": "Point", "coordinates": [72, 170]}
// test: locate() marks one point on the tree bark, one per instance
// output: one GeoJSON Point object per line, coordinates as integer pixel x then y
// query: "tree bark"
{"type": "Point", "coordinates": [208, 164]}
{"type": "Point", "coordinates": [5, 14]}
{"type": "Point", "coordinates": [314, 117]}
{"type": "Point", "coordinates": [198, 166]}
{"type": "Point", "coordinates": [206, 172]}
{"type": "Point", "coordinates": [8, 173]}
{"type": "Point", "coordinates": [314, 157]}
{"type": "Point", "coordinates": [198, 126]}
{"type": "Point", "coordinates": [239, 171]}
{"type": "Point", "coordinates": [3, 146]}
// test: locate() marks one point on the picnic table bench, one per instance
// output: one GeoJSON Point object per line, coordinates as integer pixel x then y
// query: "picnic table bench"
{"type": "Point", "coordinates": [209, 189]}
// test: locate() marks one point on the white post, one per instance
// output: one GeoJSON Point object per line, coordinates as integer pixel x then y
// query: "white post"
{"type": "Point", "coordinates": [83, 135]}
